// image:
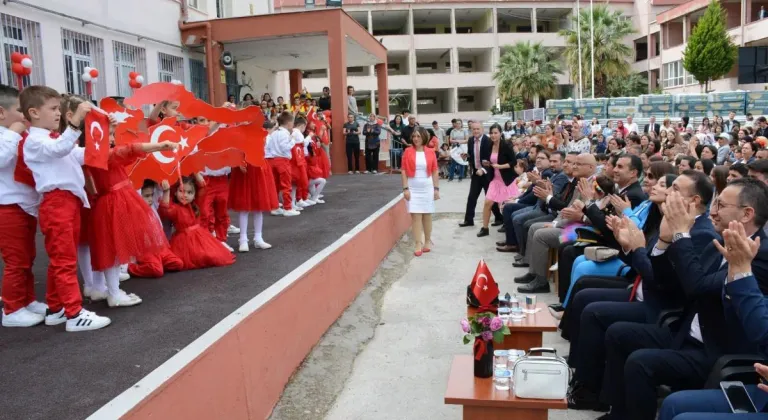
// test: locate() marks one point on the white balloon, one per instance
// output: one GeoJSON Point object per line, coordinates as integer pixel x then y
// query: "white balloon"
{"type": "Point", "coordinates": [140, 79]}
{"type": "Point", "coordinates": [94, 79]}
{"type": "Point", "coordinates": [27, 63]}
{"type": "Point", "coordinates": [86, 77]}
{"type": "Point", "coordinates": [176, 82]}
{"type": "Point", "coordinates": [87, 70]}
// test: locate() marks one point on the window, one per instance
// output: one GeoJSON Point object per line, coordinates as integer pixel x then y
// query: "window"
{"type": "Point", "coordinates": [81, 51]}
{"type": "Point", "coordinates": [128, 58]}
{"type": "Point", "coordinates": [171, 68]}
{"type": "Point", "coordinates": [426, 66]}
{"type": "Point", "coordinates": [673, 74]}
{"type": "Point", "coordinates": [426, 101]}
{"type": "Point", "coordinates": [219, 8]}
{"type": "Point", "coordinates": [467, 99]}
{"type": "Point", "coordinates": [690, 80]}
{"type": "Point", "coordinates": [465, 66]}
{"type": "Point", "coordinates": [424, 31]}
{"type": "Point", "coordinates": [198, 79]}
{"type": "Point", "coordinates": [393, 67]}
{"type": "Point", "coordinates": [22, 36]}
{"type": "Point", "coordinates": [195, 4]}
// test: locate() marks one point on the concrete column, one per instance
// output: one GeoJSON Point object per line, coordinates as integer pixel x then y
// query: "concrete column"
{"type": "Point", "coordinates": [370, 22]}
{"type": "Point", "coordinates": [534, 20]}
{"type": "Point", "coordinates": [294, 79]}
{"type": "Point", "coordinates": [410, 22]}
{"type": "Point", "coordinates": [337, 75]}
{"type": "Point", "coordinates": [453, 21]}
{"type": "Point", "coordinates": [414, 105]}
{"type": "Point", "coordinates": [651, 47]}
{"type": "Point", "coordinates": [686, 28]}
{"type": "Point", "coordinates": [495, 17]}
{"type": "Point", "coordinates": [382, 87]}
{"type": "Point", "coordinates": [219, 77]}
{"type": "Point", "coordinates": [455, 93]}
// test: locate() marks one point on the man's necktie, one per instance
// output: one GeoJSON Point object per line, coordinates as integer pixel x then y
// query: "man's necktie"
{"type": "Point", "coordinates": [632, 294]}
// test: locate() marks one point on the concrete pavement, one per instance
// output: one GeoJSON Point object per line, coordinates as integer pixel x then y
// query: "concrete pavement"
{"type": "Point", "coordinates": [388, 356]}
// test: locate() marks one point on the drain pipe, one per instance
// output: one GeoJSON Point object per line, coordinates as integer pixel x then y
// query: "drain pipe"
{"type": "Point", "coordinates": [210, 60]}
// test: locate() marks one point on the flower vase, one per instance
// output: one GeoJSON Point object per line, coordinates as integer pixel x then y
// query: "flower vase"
{"type": "Point", "coordinates": [483, 351]}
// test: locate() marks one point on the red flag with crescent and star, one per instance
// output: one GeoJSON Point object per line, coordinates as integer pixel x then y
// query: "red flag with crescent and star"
{"type": "Point", "coordinates": [484, 286]}
{"type": "Point", "coordinates": [96, 140]}
{"type": "Point", "coordinates": [159, 166]}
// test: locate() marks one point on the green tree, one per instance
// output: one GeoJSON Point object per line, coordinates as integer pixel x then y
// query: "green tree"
{"type": "Point", "coordinates": [632, 84]}
{"type": "Point", "coordinates": [526, 70]}
{"type": "Point", "coordinates": [710, 53]}
{"type": "Point", "coordinates": [611, 53]}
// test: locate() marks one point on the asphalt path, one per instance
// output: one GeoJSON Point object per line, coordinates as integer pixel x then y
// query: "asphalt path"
{"type": "Point", "coordinates": [50, 374]}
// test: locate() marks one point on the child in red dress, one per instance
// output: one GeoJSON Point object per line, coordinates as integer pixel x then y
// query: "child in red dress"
{"type": "Point", "coordinates": [116, 242]}
{"type": "Point", "coordinates": [154, 265]}
{"type": "Point", "coordinates": [252, 192]}
{"type": "Point", "coordinates": [191, 242]}
{"type": "Point", "coordinates": [314, 169]}
{"type": "Point", "coordinates": [56, 163]}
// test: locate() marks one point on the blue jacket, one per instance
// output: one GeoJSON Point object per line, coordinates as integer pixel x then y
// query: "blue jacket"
{"type": "Point", "coordinates": [745, 305]}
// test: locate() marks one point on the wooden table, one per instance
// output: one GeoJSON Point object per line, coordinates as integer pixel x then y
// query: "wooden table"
{"type": "Point", "coordinates": [526, 333]}
{"type": "Point", "coordinates": [482, 401]}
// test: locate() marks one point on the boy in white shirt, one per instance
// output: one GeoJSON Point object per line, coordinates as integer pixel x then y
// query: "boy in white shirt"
{"type": "Point", "coordinates": [18, 222]}
{"type": "Point", "coordinates": [279, 159]}
{"type": "Point", "coordinates": [56, 164]}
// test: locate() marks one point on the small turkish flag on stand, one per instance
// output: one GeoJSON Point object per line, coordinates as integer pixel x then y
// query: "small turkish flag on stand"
{"type": "Point", "coordinates": [96, 140]}
{"type": "Point", "coordinates": [483, 292]}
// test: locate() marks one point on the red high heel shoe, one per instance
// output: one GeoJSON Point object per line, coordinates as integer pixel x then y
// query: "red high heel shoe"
{"type": "Point", "coordinates": [417, 253]}
{"type": "Point", "coordinates": [426, 248]}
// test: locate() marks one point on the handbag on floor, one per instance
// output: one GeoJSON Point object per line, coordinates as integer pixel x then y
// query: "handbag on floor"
{"type": "Point", "coordinates": [541, 377]}
{"type": "Point", "coordinates": [600, 253]}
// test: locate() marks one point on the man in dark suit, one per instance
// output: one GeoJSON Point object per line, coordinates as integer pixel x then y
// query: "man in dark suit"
{"type": "Point", "coordinates": [478, 150]}
{"type": "Point", "coordinates": [641, 357]}
{"type": "Point", "coordinates": [594, 310]}
{"type": "Point", "coordinates": [652, 125]}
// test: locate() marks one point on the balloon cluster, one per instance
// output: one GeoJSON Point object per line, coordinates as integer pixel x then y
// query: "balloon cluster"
{"type": "Point", "coordinates": [136, 80]}
{"type": "Point", "coordinates": [90, 75]}
{"type": "Point", "coordinates": [21, 66]}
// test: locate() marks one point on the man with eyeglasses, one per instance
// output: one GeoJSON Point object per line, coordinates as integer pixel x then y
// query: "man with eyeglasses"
{"type": "Point", "coordinates": [640, 357]}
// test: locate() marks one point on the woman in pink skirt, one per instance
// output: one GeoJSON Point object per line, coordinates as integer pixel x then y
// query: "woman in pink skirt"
{"type": "Point", "coordinates": [499, 171]}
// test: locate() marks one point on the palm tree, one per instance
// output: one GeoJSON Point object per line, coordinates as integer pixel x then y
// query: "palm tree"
{"type": "Point", "coordinates": [611, 53]}
{"type": "Point", "coordinates": [633, 84]}
{"type": "Point", "coordinates": [526, 70]}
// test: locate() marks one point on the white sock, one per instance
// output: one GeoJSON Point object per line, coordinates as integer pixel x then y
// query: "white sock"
{"type": "Point", "coordinates": [243, 226]}
{"type": "Point", "coordinates": [112, 276]}
{"type": "Point", "coordinates": [318, 184]}
{"type": "Point", "coordinates": [258, 223]}
{"type": "Point", "coordinates": [99, 282]}
{"type": "Point", "coordinates": [84, 264]}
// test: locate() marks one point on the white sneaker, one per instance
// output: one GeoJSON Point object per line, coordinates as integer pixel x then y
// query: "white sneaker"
{"type": "Point", "coordinates": [278, 212]}
{"type": "Point", "coordinates": [37, 308]}
{"type": "Point", "coordinates": [226, 245]}
{"type": "Point", "coordinates": [87, 321]}
{"type": "Point", "coordinates": [311, 202]}
{"type": "Point", "coordinates": [22, 318]}
{"type": "Point", "coordinates": [350, 172]}
{"type": "Point", "coordinates": [320, 196]}
{"type": "Point", "coordinates": [97, 295]}
{"type": "Point", "coordinates": [243, 247]}
{"type": "Point", "coordinates": [290, 213]}
{"type": "Point", "coordinates": [374, 172]}
{"type": "Point", "coordinates": [297, 207]}
{"type": "Point", "coordinates": [305, 203]}
{"type": "Point", "coordinates": [357, 172]}
{"type": "Point", "coordinates": [123, 299]}
{"type": "Point", "coordinates": [319, 201]}
{"type": "Point", "coordinates": [55, 319]}
{"type": "Point", "coordinates": [233, 230]}
{"type": "Point", "coordinates": [367, 172]}
{"type": "Point", "coordinates": [553, 268]}
{"type": "Point", "coordinates": [124, 276]}
{"type": "Point", "coordinates": [261, 244]}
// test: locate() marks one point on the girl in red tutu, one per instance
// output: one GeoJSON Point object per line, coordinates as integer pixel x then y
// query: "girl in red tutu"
{"type": "Point", "coordinates": [300, 189]}
{"type": "Point", "coordinates": [124, 226]}
{"type": "Point", "coordinates": [196, 247]}
{"type": "Point", "coordinates": [314, 160]}
{"type": "Point", "coordinates": [252, 191]}
{"type": "Point", "coordinates": [324, 160]}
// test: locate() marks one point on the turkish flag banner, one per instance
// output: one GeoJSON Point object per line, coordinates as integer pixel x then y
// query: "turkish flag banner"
{"type": "Point", "coordinates": [246, 138]}
{"type": "Point", "coordinates": [96, 140]}
{"type": "Point", "coordinates": [483, 292]}
{"type": "Point", "coordinates": [159, 166]}
{"type": "Point", "coordinates": [128, 120]}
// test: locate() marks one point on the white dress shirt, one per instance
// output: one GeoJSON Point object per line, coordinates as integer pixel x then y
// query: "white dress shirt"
{"type": "Point", "coordinates": [267, 151]}
{"type": "Point", "coordinates": [632, 127]}
{"type": "Point", "coordinates": [56, 164]}
{"type": "Point", "coordinates": [280, 144]}
{"type": "Point", "coordinates": [12, 192]}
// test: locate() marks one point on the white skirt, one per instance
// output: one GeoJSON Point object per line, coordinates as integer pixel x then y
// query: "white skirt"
{"type": "Point", "coordinates": [422, 195]}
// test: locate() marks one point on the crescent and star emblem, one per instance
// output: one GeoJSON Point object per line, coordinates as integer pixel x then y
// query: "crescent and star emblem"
{"type": "Point", "coordinates": [156, 139]}
{"type": "Point", "coordinates": [94, 127]}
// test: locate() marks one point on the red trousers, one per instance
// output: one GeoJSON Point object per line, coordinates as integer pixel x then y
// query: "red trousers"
{"type": "Point", "coordinates": [216, 195]}
{"type": "Point", "coordinates": [17, 248]}
{"type": "Point", "coordinates": [155, 265]}
{"type": "Point", "coordinates": [301, 180]}
{"type": "Point", "coordinates": [281, 170]}
{"type": "Point", "coordinates": [60, 223]}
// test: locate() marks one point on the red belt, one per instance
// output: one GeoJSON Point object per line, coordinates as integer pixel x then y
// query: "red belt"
{"type": "Point", "coordinates": [189, 229]}
{"type": "Point", "coordinates": [120, 185]}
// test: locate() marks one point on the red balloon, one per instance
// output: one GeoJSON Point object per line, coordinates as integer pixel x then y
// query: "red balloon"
{"type": "Point", "coordinates": [16, 57]}
{"type": "Point", "coordinates": [94, 73]}
{"type": "Point", "coordinates": [17, 68]}
{"type": "Point", "coordinates": [27, 71]}
{"type": "Point", "coordinates": [134, 84]}
{"type": "Point", "coordinates": [132, 75]}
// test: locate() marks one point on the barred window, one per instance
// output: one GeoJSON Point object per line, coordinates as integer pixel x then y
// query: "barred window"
{"type": "Point", "coordinates": [22, 36]}
{"type": "Point", "coordinates": [81, 51]}
{"type": "Point", "coordinates": [128, 58]}
{"type": "Point", "coordinates": [199, 79]}
{"type": "Point", "coordinates": [171, 67]}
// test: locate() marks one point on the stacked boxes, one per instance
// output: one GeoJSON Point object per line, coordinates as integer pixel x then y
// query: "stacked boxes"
{"type": "Point", "coordinates": [659, 106]}
{"type": "Point", "coordinates": [591, 108]}
{"type": "Point", "coordinates": [757, 103]}
{"type": "Point", "coordinates": [721, 103]}
{"type": "Point", "coordinates": [621, 107]}
{"type": "Point", "coordinates": [556, 107]}
{"type": "Point", "coordinates": [692, 105]}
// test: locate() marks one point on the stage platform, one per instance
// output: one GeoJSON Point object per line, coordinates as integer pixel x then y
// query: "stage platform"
{"type": "Point", "coordinates": [48, 373]}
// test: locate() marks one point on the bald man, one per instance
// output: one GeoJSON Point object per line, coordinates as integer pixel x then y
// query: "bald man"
{"type": "Point", "coordinates": [543, 236]}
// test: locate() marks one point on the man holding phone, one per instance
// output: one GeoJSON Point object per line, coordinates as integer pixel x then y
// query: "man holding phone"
{"type": "Point", "coordinates": [478, 151]}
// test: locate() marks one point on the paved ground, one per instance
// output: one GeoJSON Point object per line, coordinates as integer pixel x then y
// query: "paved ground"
{"type": "Point", "coordinates": [50, 374]}
{"type": "Point", "coordinates": [388, 356]}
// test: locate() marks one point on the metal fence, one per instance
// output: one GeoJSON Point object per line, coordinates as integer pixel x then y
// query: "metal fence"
{"type": "Point", "coordinates": [22, 36]}
{"type": "Point", "coordinates": [81, 51]}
